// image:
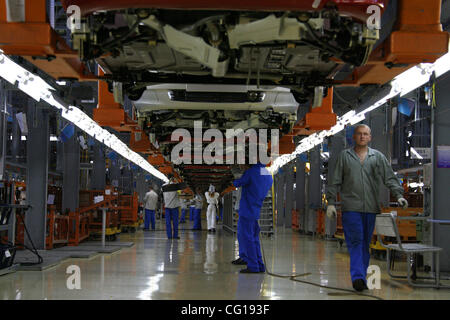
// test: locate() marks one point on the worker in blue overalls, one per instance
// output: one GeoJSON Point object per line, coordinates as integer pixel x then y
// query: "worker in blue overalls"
{"type": "Point", "coordinates": [255, 183]}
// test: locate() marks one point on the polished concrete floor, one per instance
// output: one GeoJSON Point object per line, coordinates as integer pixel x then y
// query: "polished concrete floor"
{"type": "Point", "coordinates": [197, 267]}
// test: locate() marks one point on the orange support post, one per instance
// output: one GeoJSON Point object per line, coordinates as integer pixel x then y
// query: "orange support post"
{"type": "Point", "coordinates": [321, 118]}
{"type": "Point", "coordinates": [105, 98]}
{"type": "Point", "coordinates": [286, 145]}
{"type": "Point", "coordinates": [109, 113]}
{"type": "Point", "coordinates": [156, 160]}
{"type": "Point", "coordinates": [142, 145]}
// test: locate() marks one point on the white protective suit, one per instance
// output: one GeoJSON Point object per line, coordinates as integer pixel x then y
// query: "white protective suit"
{"type": "Point", "coordinates": [212, 198]}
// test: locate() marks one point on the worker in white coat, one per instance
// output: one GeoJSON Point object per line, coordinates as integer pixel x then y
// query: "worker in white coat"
{"type": "Point", "coordinates": [212, 197]}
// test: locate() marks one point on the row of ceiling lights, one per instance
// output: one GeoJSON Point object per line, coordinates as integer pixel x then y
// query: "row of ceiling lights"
{"type": "Point", "coordinates": [38, 89]}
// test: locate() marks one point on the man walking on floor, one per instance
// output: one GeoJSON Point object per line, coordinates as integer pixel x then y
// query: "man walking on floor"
{"type": "Point", "coordinates": [150, 203]}
{"type": "Point", "coordinates": [358, 174]}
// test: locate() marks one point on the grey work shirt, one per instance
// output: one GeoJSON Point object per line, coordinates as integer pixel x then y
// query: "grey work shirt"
{"type": "Point", "coordinates": [360, 183]}
{"type": "Point", "coordinates": [171, 199]}
{"type": "Point", "coordinates": [151, 200]}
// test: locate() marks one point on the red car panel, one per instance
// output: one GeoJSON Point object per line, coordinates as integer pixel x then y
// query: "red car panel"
{"type": "Point", "coordinates": [354, 8]}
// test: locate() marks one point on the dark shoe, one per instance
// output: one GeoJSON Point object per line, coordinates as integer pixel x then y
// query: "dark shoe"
{"type": "Point", "coordinates": [239, 262]}
{"type": "Point", "coordinates": [214, 230]}
{"type": "Point", "coordinates": [176, 237]}
{"type": "Point", "coordinates": [146, 229]}
{"type": "Point", "coordinates": [359, 285]}
{"type": "Point", "coordinates": [248, 271]}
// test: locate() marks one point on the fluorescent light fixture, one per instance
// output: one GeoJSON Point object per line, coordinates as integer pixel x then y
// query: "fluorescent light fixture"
{"type": "Point", "coordinates": [38, 89]}
{"type": "Point", "coordinates": [357, 118]}
{"type": "Point", "coordinates": [414, 151]}
{"type": "Point", "coordinates": [415, 184]}
{"type": "Point", "coordinates": [401, 85]}
{"type": "Point", "coordinates": [442, 65]}
{"type": "Point", "coordinates": [419, 75]}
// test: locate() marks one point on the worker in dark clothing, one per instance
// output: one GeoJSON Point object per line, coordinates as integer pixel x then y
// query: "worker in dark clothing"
{"type": "Point", "coordinates": [358, 174]}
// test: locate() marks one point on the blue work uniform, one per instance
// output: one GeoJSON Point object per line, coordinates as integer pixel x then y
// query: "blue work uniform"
{"type": "Point", "coordinates": [255, 183]}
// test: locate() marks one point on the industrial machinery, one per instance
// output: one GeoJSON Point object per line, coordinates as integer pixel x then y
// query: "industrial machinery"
{"type": "Point", "coordinates": [139, 43]}
{"type": "Point", "coordinates": [149, 49]}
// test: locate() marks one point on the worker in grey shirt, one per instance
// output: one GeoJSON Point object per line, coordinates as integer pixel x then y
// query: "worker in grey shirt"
{"type": "Point", "coordinates": [358, 174]}
{"type": "Point", "coordinates": [171, 204]}
{"type": "Point", "coordinates": [150, 202]}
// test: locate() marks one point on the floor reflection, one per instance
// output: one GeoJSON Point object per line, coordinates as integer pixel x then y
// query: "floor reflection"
{"type": "Point", "coordinates": [249, 286]}
{"type": "Point", "coordinates": [210, 265]}
{"type": "Point", "coordinates": [197, 267]}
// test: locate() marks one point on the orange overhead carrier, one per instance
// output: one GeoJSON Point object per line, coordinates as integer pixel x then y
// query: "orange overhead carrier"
{"type": "Point", "coordinates": [417, 38]}
{"type": "Point", "coordinates": [319, 118]}
{"type": "Point", "coordinates": [35, 40]}
{"type": "Point", "coordinates": [111, 114]}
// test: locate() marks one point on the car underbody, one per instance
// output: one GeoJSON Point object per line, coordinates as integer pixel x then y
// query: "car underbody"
{"type": "Point", "coordinates": [244, 61]}
{"type": "Point", "coordinates": [300, 50]}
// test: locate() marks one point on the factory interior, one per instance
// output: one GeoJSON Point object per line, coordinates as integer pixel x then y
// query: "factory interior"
{"type": "Point", "coordinates": [105, 104]}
